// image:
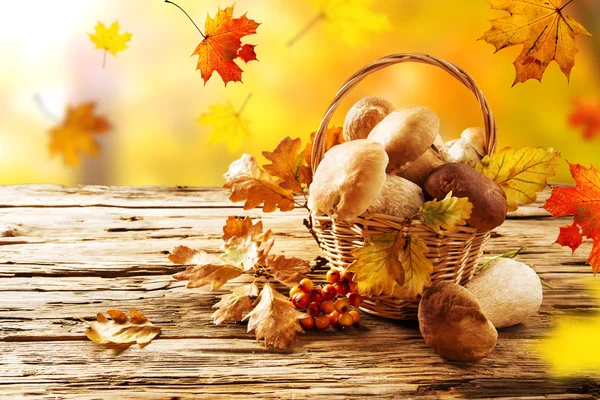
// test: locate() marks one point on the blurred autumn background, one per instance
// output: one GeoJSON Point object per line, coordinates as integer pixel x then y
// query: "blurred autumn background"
{"type": "Point", "coordinates": [153, 96]}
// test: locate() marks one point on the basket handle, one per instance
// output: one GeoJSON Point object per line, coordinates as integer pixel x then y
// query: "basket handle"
{"type": "Point", "coordinates": [490, 138]}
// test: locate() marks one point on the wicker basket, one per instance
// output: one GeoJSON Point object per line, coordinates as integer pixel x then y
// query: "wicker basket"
{"type": "Point", "coordinates": [454, 254]}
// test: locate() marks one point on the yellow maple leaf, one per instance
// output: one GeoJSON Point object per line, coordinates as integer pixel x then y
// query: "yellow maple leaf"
{"type": "Point", "coordinates": [447, 213]}
{"type": "Point", "coordinates": [109, 39]}
{"type": "Point", "coordinates": [250, 183]}
{"type": "Point", "coordinates": [350, 19]}
{"type": "Point", "coordinates": [520, 173]}
{"type": "Point", "coordinates": [76, 134]}
{"type": "Point", "coordinates": [228, 125]}
{"type": "Point", "coordinates": [417, 269]}
{"type": "Point", "coordinates": [121, 329]}
{"type": "Point", "coordinates": [287, 161]}
{"type": "Point", "coordinates": [209, 269]}
{"type": "Point", "coordinates": [546, 32]}
{"type": "Point", "coordinates": [234, 305]}
{"type": "Point", "coordinates": [377, 268]}
{"type": "Point", "coordinates": [274, 318]}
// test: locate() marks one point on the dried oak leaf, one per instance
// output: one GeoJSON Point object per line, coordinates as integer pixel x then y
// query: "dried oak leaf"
{"type": "Point", "coordinates": [417, 269]}
{"type": "Point", "coordinates": [76, 134]}
{"type": "Point", "coordinates": [229, 126]}
{"type": "Point", "coordinates": [222, 44]}
{"type": "Point", "coordinates": [520, 173]}
{"type": "Point", "coordinates": [250, 183]}
{"type": "Point", "coordinates": [274, 319]}
{"type": "Point", "coordinates": [109, 39]}
{"type": "Point", "coordinates": [377, 268]}
{"type": "Point", "coordinates": [287, 164]}
{"type": "Point", "coordinates": [237, 227]}
{"type": "Point", "coordinates": [447, 213]}
{"type": "Point", "coordinates": [583, 202]}
{"type": "Point", "coordinates": [545, 31]}
{"type": "Point", "coordinates": [289, 271]}
{"type": "Point", "coordinates": [586, 116]}
{"type": "Point", "coordinates": [233, 306]}
{"type": "Point", "coordinates": [209, 269]}
{"type": "Point", "coordinates": [247, 253]}
{"type": "Point", "coordinates": [121, 329]}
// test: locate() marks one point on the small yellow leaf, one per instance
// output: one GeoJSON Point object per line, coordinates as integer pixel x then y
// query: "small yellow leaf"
{"type": "Point", "coordinates": [122, 329]}
{"type": "Point", "coordinates": [274, 318]}
{"type": "Point", "coordinates": [417, 269]}
{"type": "Point", "coordinates": [447, 213]}
{"type": "Point", "coordinates": [228, 125]}
{"type": "Point", "coordinates": [377, 268]}
{"type": "Point", "coordinates": [109, 39]}
{"type": "Point", "coordinates": [234, 305]}
{"type": "Point", "coordinates": [520, 173]}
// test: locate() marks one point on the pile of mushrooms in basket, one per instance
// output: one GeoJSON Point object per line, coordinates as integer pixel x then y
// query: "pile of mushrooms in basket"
{"type": "Point", "coordinates": [393, 165]}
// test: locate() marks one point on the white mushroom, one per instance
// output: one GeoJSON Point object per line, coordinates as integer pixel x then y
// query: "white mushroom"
{"type": "Point", "coordinates": [364, 115]}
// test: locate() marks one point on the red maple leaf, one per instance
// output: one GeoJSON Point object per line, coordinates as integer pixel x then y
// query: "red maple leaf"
{"type": "Point", "coordinates": [586, 115]}
{"type": "Point", "coordinates": [222, 44]}
{"type": "Point", "coordinates": [583, 202]}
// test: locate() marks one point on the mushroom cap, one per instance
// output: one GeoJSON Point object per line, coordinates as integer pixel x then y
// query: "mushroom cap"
{"type": "Point", "coordinates": [406, 134]}
{"type": "Point", "coordinates": [488, 199]}
{"type": "Point", "coordinates": [364, 115]}
{"type": "Point", "coordinates": [460, 151]}
{"type": "Point", "coordinates": [348, 179]}
{"type": "Point", "coordinates": [453, 325]}
{"type": "Point", "coordinates": [419, 170]}
{"type": "Point", "coordinates": [475, 136]}
{"type": "Point", "coordinates": [399, 197]}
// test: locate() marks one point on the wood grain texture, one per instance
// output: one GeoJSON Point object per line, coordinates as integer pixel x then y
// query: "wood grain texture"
{"type": "Point", "coordinates": [72, 252]}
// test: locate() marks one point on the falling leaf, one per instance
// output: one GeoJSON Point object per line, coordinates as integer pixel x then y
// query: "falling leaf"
{"type": "Point", "coordinates": [274, 319]}
{"type": "Point", "coordinates": [289, 271]}
{"type": "Point", "coordinates": [76, 134]}
{"type": "Point", "coordinates": [238, 227]}
{"type": "Point", "coordinates": [545, 31]}
{"type": "Point", "coordinates": [228, 125]}
{"type": "Point", "coordinates": [287, 161]}
{"type": "Point", "coordinates": [209, 269]}
{"type": "Point", "coordinates": [586, 116]}
{"type": "Point", "coordinates": [109, 40]}
{"type": "Point", "coordinates": [350, 19]}
{"type": "Point", "coordinates": [250, 183]}
{"type": "Point", "coordinates": [583, 202]}
{"type": "Point", "coordinates": [570, 348]}
{"type": "Point", "coordinates": [121, 329]}
{"type": "Point", "coordinates": [417, 269]}
{"type": "Point", "coordinates": [520, 173]}
{"type": "Point", "coordinates": [447, 213]}
{"type": "Point", "coordinates": [222, 44]}
{"type": "Point", "coordinates": [377, 268]}
{"type": "Point", "coordinates": [233, 306]}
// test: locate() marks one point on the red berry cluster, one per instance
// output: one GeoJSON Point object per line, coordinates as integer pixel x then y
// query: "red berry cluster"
{"type": "Point", "coordinates": [329, 305]}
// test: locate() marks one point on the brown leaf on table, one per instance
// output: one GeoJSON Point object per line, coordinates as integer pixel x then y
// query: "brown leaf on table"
{"type": "Point", "coordinates": [234, 305]}
{"type": "Point", "coordinates": [209, 269]}
{"type": "Point", "coordinates": [287, 161]}
{"type": "Point", "coordinates": [546, 32]}
{"type": "Point", "coordinates": [250, 183]}
{"type": "Point", "coordinates": [246, 253]}
{"type": "Point", "coordinates": [75, 136]}
{"type": "Point", "coordinates": [121, 329]}
{"type": "Point", "coordinates": [274, 318]}
{"type": "Point", "coordinates": [289, 271]}
{"type": "Point", "coordinates": [238, 227]}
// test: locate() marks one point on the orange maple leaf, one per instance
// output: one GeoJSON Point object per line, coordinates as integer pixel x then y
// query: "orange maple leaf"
{"type": "Point", "coordinates": [287, 164]}
{"type": "Point", "coordinates": [76, 134]}
{"type": "Point", "coordinates": [222, 44]}
{"type": "Point", "coordinates": [583, 202]}
{"type": "Point", "coordinates": [586, 115]}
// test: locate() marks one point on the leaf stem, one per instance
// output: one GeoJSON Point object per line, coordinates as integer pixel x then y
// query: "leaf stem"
{"type": "Point", "coordinates": [244, 104]}
{"type": "Point", "coordinates": [187, 15]}
{"type": "Point", "coordinates": [104, 59]}
{"type": "Point", "coordinates": [564, 5]}
{"type": "Point", "coordinates": [305, 29]}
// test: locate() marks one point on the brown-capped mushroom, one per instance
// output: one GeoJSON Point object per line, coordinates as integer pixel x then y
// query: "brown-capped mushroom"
{"type": "Point", "coordinates": [475, 136]}
{"type": "Point", "coordinates": [453, 325]}
{"type": "Point", "coordinates": [459, 151]}
{"type": "Point", "coordinates": [407, 134]}
{"type": "Point", "coordinates": [488, 199]}
{"type": "Point", "coordinates": [399, 197]}
{"type": "Point", "coordinates": [348, 179]}
{"type": "Point", "coordinates": [364, 115]}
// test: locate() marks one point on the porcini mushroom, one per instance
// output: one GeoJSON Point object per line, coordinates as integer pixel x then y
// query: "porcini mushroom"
{"type": "Point", "coordinates": [469, 149]}
{"type": "Point", "coordinates": [453, 325]}
{"type": "Point", "coordinates": [399, 197]}
{"type": "Point", "coordinates": [348, 179]}
{"type": "Point", "coordinates": [364, 115]}
{"type": "Point", "coordinates": [407, 135]}
{"type": "Point", "coordinates": [488, 199]}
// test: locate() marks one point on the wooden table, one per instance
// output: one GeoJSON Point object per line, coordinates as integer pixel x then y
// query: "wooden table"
{"type": "Point", "coordinates": [72, 252]}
